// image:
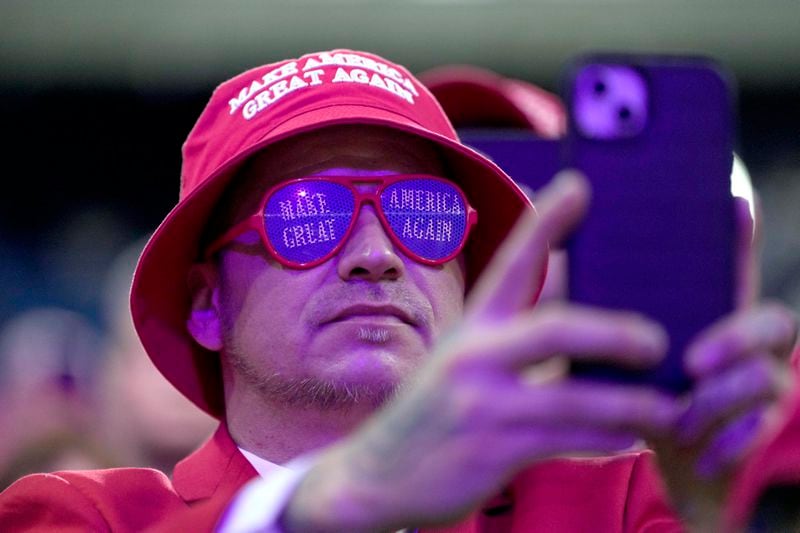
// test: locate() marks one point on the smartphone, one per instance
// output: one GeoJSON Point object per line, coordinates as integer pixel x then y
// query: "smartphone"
{"type": "Point", "coordinates": [529, 160]}
{"type": "Point", "coordinates": [654, 136]}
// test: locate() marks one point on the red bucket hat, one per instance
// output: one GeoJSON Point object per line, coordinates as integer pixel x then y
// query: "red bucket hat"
{"type": "Point", "coordinates": [247, 114]}
{"type": "Point", "coordinates": [477, 97]}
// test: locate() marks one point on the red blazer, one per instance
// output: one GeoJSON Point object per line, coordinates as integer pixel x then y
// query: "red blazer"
{"type": "Point", "coordinates": [610, 494]}
{"type": "Point", "coordinates": [622, 493]}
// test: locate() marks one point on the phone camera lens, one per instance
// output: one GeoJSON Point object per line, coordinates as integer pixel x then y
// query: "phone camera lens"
{"type": "Point", "coordinates": [624, 113]}
{"type": "Point", "coordinates": [599, 88]}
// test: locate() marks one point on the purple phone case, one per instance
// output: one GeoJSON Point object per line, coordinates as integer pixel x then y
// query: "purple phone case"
{"type": "Point", "coordinates": [660, 234]}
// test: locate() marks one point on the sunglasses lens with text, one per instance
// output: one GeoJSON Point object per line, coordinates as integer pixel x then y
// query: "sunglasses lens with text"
{"type": "Point", "coordinates": [428, 216]}
{"type": "Point", "coordinates": [306, 220]}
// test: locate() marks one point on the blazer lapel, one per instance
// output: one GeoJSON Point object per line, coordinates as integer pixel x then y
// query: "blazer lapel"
{"type": "Point", "coordinates": [216, 470]}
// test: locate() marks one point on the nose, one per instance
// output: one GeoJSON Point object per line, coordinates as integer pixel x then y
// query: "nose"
{"type": "Point", "coordinates": [369, 253]}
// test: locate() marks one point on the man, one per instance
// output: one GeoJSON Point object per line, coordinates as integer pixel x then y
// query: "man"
{"type": "Point", "coordinates": [308, 290]}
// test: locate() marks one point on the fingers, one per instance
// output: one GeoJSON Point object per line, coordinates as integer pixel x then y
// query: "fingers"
{"type": "Point", "coordinates": [738, 371]}
{"type": "Point", "coordinates": [509, 282]}
{"type": "Point", "coordinates": [766, 329]}
{"type": "Point", "coordinates": [581, 333]}
{"type": "Point", "coordinates": [736, 390]}
{"type": "Point", "coordinates": [537, 445]}
{"type": "Point", "coordinates": [730, 444]}
{"type": "Point", "coordinates": [577, 404]}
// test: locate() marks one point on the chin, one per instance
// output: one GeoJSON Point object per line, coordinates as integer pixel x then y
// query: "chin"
{"type": "Point", "coordinates": [368, 366]}
{"type": "Point", "coordinates": [367, 374]}
{"type": "Point", "coordinates": [363, 363]}
{"type": "Point", "coordinates": [365, 348]}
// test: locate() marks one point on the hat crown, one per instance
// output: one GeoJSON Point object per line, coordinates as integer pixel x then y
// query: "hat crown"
{"type": "Point", "coordinates": [249, 106]}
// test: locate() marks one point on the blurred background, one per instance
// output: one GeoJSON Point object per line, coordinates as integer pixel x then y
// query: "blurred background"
{"type": "Point", "coordinates": [97, 97]}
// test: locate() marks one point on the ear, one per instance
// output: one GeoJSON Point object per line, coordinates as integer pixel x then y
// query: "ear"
{"type": "Point", "coordinates": [204, 322]}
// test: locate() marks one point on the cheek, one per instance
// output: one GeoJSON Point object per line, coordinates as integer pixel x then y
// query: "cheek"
{"type": "Point", "coordinates": [444, 287]}
{"type": "Point", "coordinates": [256, 298]}
{"type": "Point", "coordinates": [238, 276]}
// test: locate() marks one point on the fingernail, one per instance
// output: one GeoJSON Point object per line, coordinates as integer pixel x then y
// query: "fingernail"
{"type": "Point", "coordinates": [564, 176]}
{"type": "Point", "coordinates": [655, 340]}
{"type": "Point", "coordinates": [566, 179]}
{"type": "Point", "coordinates": [703, 359]}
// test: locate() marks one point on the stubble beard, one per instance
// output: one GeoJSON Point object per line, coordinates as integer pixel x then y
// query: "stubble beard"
{"type": "Point", "coordinates": [313, 392]}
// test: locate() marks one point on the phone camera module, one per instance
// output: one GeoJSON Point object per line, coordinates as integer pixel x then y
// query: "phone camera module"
{"type": "Point", "coordinates": [599, 88]}
{"type": "Point", "coordinates": [609, 102]}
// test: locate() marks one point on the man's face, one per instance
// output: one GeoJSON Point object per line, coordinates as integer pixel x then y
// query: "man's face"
{"type": "Point", "coordinates": [353, 328]}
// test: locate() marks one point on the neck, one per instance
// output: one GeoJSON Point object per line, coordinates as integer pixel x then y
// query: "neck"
{"type": "Point", "coordinates": [279, 432]}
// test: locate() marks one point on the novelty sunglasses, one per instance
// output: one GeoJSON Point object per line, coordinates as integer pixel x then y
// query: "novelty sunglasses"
{"type": "Point", "coordinates": [305, 221]}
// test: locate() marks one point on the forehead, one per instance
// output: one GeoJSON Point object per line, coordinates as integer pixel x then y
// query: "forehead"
{"type": "Point", "coordinates": [354, 146]}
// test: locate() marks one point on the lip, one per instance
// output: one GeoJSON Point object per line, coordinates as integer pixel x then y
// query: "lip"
{"type": "Point", "coordinates": [372, 313]}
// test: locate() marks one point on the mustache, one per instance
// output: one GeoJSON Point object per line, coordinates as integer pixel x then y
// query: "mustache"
{"type": "Point", "coordinates": [328, 302]}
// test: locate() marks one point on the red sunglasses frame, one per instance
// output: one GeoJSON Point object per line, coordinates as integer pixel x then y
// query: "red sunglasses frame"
{"type": "Point", "coordinates": [257, 221]}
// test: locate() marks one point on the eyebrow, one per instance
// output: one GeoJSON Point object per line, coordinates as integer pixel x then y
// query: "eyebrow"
{"type": "Point", "coordinates": [359, 172]}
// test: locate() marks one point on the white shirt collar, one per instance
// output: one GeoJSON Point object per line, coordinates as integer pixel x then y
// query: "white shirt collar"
{"type": "Point", "coordinates": [262, 466]}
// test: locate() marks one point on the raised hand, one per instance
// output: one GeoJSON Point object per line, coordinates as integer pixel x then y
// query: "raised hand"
{"type": "Point", "coordinates": [741, 373]}
{"type": "Point", "coordinates": [488, 402]}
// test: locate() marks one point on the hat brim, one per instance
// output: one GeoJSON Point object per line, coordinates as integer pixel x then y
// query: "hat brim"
{"type": "Point", "coordinates": [160, 296]}
{"type": "Point", "coordinates": [474, 97]}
